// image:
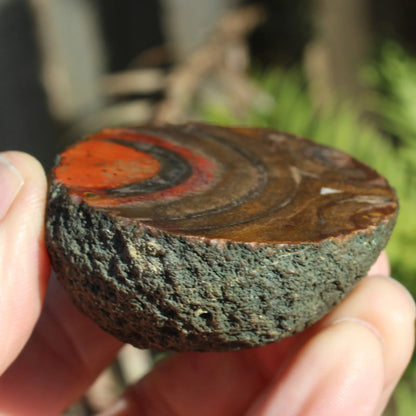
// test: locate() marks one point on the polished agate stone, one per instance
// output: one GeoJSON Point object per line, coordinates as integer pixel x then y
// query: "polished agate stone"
{"type": "Point", "coordinates": [200, 237]}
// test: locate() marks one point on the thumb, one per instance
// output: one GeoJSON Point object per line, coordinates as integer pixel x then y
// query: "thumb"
{"type": "Point", "coordinates": [24, 264]}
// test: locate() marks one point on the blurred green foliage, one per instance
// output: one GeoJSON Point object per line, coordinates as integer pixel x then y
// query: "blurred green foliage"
{"type": "Point", "coordinates": [392, 78]}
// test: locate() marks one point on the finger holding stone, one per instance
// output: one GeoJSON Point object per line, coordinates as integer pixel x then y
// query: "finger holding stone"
{"type": "Point", "coordinates": [384, 304]}
{"type": "Point", "coordinates": [343, 365]}
{"type": "Point", "coordinates": [24, 264]}
{"type": "Point", "coordinates": [65, 353]}
{"type": "Point", "coordinates": [353, 359]}
{"type": "Point", "coordinates": [328, 376]}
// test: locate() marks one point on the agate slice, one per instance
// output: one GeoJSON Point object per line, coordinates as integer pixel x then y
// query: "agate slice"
{"type": "Point", "coordinates": [206, 238]}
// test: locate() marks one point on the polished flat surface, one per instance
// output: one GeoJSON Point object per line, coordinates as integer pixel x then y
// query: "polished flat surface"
{"type": "Point", "coordinates": [240, 184]}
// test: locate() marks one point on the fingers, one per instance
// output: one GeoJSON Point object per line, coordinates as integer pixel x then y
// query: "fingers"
{"type": "Point", "coordinates": [346, 364]}
{"type": "Point", "coordinates": [66, 351]}
{"type": "Point", "coordinates": [329, 376]}
{"type": "Point", "coordinates": [64, 355]}
{"type": "Point", "coordinates": [393, 318]}
{"type": "Point", "coordinates": [355, 359]}
{"type": "Point", "coordinates": [24, 265]}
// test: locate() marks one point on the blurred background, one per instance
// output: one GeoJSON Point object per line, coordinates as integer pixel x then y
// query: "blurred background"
{"type": "Point", "coordinates": [341, 72]}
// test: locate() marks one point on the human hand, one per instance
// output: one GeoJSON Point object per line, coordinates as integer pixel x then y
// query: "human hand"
{"type": "Point", "coordinates": [348, 363]}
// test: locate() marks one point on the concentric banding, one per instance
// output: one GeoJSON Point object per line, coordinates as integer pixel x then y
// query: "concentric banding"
{"type": "Point", "coordinates": [253, 185]}
{"type": "Point", "coordinates": [206, 238]}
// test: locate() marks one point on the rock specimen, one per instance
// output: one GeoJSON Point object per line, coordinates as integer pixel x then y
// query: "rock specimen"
{"type": "Point", "coordinates": [198, 237]}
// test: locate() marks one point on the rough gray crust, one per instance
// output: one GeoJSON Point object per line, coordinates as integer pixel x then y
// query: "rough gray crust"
{"type": "Point", "coordinates": [164, 291]}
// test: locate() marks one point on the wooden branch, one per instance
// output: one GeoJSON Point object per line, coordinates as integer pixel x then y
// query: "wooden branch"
{"type": "Point", "coordinates": [185, 79]}
{"type": "Point", "coordinates": [140, 81]}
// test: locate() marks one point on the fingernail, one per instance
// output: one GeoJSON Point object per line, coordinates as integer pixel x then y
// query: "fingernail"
{"type": "Point", "coordinates": [11, 181]}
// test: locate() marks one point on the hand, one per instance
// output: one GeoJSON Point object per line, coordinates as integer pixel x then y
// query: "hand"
{"type": "Point", "coordinates": [348, 363]}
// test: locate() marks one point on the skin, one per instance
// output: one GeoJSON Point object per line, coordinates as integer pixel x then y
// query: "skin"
{"type": "Point", "coordinates": [348, 363]}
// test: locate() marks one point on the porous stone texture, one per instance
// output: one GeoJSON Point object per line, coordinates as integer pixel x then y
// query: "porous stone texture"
{"type": "Point", "coordinates": [161, 290]}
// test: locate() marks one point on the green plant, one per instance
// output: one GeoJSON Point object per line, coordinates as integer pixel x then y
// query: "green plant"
{"type": "Point", "coordinates": [392, 78]}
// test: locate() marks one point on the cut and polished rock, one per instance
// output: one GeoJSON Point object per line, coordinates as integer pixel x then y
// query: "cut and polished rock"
{"type": "Point", "coordinates": [199, 237]}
